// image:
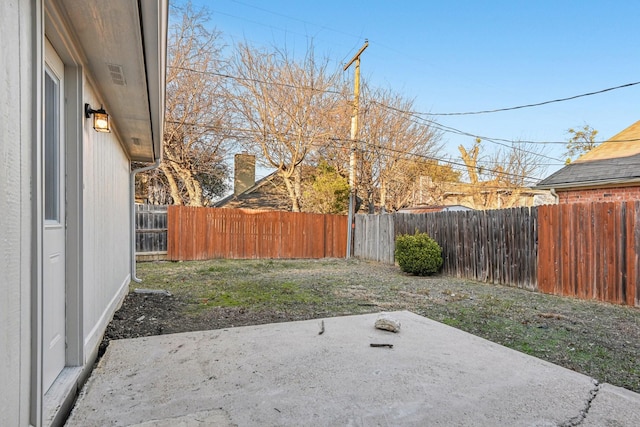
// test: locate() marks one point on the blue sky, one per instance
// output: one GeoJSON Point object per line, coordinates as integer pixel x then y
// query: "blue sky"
{"type": "Point", "coordinates": [463, 56]}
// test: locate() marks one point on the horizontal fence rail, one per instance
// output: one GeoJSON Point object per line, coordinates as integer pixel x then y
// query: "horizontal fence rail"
{"type": "Point", "coordinates": [207, 233]}
{"type": "Point", "coordinates": [151, 228]}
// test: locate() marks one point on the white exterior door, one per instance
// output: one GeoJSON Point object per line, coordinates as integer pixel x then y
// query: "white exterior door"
{"type": "Point", "coordinates": [54, 235]}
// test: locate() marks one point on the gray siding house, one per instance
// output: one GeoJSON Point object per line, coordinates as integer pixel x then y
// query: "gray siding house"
{"type": "Point", "coordinates": [65, 188]}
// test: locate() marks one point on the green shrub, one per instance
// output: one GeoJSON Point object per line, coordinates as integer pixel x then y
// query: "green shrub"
{"type": "Point", "coordinates": [418, 254]}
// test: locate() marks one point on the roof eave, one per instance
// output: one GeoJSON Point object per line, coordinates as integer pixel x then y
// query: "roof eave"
{"type": "Point", "coordinates": [589, 184]}
{"type": "Point", "coordinates": [154, 16]}
{"type": "Point", "coordinates": [122, 46]}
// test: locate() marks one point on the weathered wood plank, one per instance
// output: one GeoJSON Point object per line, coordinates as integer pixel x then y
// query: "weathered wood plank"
{"type": "Point", "coordinates": [207, 233]}
{"type": "Point", "coordinates": [150, 228]}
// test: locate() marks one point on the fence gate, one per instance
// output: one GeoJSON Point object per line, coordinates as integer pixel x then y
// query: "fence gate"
{"type": "Point", "coordinates": [374, 238]}
{"type": "Point", "coordinates": [151, 232]}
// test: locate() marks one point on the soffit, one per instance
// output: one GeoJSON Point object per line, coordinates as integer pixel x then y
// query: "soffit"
{"type": "Point", "coordinates": [110, 35]}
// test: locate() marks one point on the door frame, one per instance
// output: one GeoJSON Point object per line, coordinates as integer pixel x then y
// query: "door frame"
{"type": "Point", "coordinates": [46, 408]}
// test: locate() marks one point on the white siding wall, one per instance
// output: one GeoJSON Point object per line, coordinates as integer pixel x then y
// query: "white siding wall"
{"type": "Point", "coordinates": [106, 228]}
{"type": "Point", "coordinates": [105, 216]}
{"type": "Point", "coordinates": [15, 218]}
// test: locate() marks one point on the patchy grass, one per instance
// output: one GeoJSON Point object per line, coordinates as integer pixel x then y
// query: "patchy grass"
{"type": "Point", "coordinates": [597, 339]}
{"type": "Point", "coordinates": [250, 294]}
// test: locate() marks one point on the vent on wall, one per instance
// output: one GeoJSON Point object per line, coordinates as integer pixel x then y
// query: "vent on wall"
{"type": "Point", "coordinates": [117, 75]}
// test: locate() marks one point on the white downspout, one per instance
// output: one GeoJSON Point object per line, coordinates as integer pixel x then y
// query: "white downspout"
{"type": "Point", "coordinates": [132, 183]}
{"type": "Point", "coordinates": [555, 195]}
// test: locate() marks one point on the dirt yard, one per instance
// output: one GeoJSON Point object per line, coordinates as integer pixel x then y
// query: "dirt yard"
{"type": "Point", "coordinates": [599, 340]}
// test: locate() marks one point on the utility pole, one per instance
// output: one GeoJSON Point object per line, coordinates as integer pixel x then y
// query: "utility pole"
{"type": "Point", "coordinates": [354, 138]}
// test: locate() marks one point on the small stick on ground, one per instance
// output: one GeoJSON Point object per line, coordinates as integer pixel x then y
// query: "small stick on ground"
{"type": "Point", "coordinates": [381, 345]}
{"type": "Point", "coordinates": [321, 327]}
{"type": "Point", "coordinates": [552, 316]}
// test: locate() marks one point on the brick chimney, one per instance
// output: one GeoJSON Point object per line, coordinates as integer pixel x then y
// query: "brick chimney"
{"type": "Point", "coordinates": [244, 174]}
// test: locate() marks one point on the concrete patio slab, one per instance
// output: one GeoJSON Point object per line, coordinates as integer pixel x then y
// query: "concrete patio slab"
{"type": "Point", "coordinates": [287, 374]}
{"type": "Point", "coordinates": [610, 405]}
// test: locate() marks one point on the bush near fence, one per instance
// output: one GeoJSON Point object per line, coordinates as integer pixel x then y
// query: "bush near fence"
{"type": "Point", "coordinates": [587, 250]}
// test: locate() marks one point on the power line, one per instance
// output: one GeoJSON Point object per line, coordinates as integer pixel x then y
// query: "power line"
{"type": "Point", "coordinates": [463, 133]}
{"type": "Point", "coordinates": [419, 115]}
{"type": "Point", "coordinates": [284, 30]}
{"type": "Point", "coordinates": [322, 26]}
{"type": "Point", "coordinates": [254, 80]}
{"type": "Point", "coordinates": [450, 129]}
{"type": "Point", "coordinates": [481, 163]}
{"type": "Point", "coordinates": [524, 141]}
{"type": "Point", "coordinates": [457, 166]}
{"type": "Point", "coordinates": [450, 162]}
{"type": "Point", "coordinates": [538, 104]}
{"type": "Point", "coordinates": [321, 142]}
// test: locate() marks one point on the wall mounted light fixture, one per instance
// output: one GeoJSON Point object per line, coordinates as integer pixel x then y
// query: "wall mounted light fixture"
{"type": "Point", "coordinates": [100, 118]}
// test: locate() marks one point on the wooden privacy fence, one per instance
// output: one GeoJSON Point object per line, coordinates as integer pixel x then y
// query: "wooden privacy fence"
{"type": "Point", "coordinates": [587, 250]}
{"type": "Point", "coordinates": [491, 246]}
{"type": "Point", "coordinates": [207, 233]}
{"type": "Point", "coordinates": [496, 246]}
{"type": "Point", "coordinates": [151, 228]}
{"type": "Point", "coordinates": [590, 250]}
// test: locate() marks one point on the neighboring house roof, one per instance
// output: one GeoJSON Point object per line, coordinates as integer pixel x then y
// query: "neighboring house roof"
{"type": "Point", "coordinates": [615, 161]}
{"type": "Point", "coordinates": [433, 208]}
{"type": "Point", "coordinates": [266, 193]}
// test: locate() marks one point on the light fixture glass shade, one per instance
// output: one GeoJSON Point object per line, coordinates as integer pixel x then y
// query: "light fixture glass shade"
{"type": "Point", "coordinates": [101, 121]}
{"type": "Point", "coordinates": [100, 118]}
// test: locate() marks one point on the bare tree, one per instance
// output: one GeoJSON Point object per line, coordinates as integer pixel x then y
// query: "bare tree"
{"type": "Point", "coordinates": [194, 140]}
{"type": "Point", "coordinates": [336, 150]}
{"type": "Point", "coordinates": [286, 106]}
{"type": "Point", "coordinates": [514, 170]}
{"type": "Point", "coordinates": [498, 180]}
{"type": "Point", "coordinates": [470, 159]}
{"type": "Point", "coordinates": [393, 144]}
{"type": "Point", "coordinates": [420, 181]}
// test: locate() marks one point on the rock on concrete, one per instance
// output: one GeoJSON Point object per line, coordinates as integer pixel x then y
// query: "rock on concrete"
{"type": "Point", "coordinates": [387, 323]}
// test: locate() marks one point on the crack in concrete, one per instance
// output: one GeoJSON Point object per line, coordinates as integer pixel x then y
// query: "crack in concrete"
{"type": "Point", "coordinates": [579, 419]}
